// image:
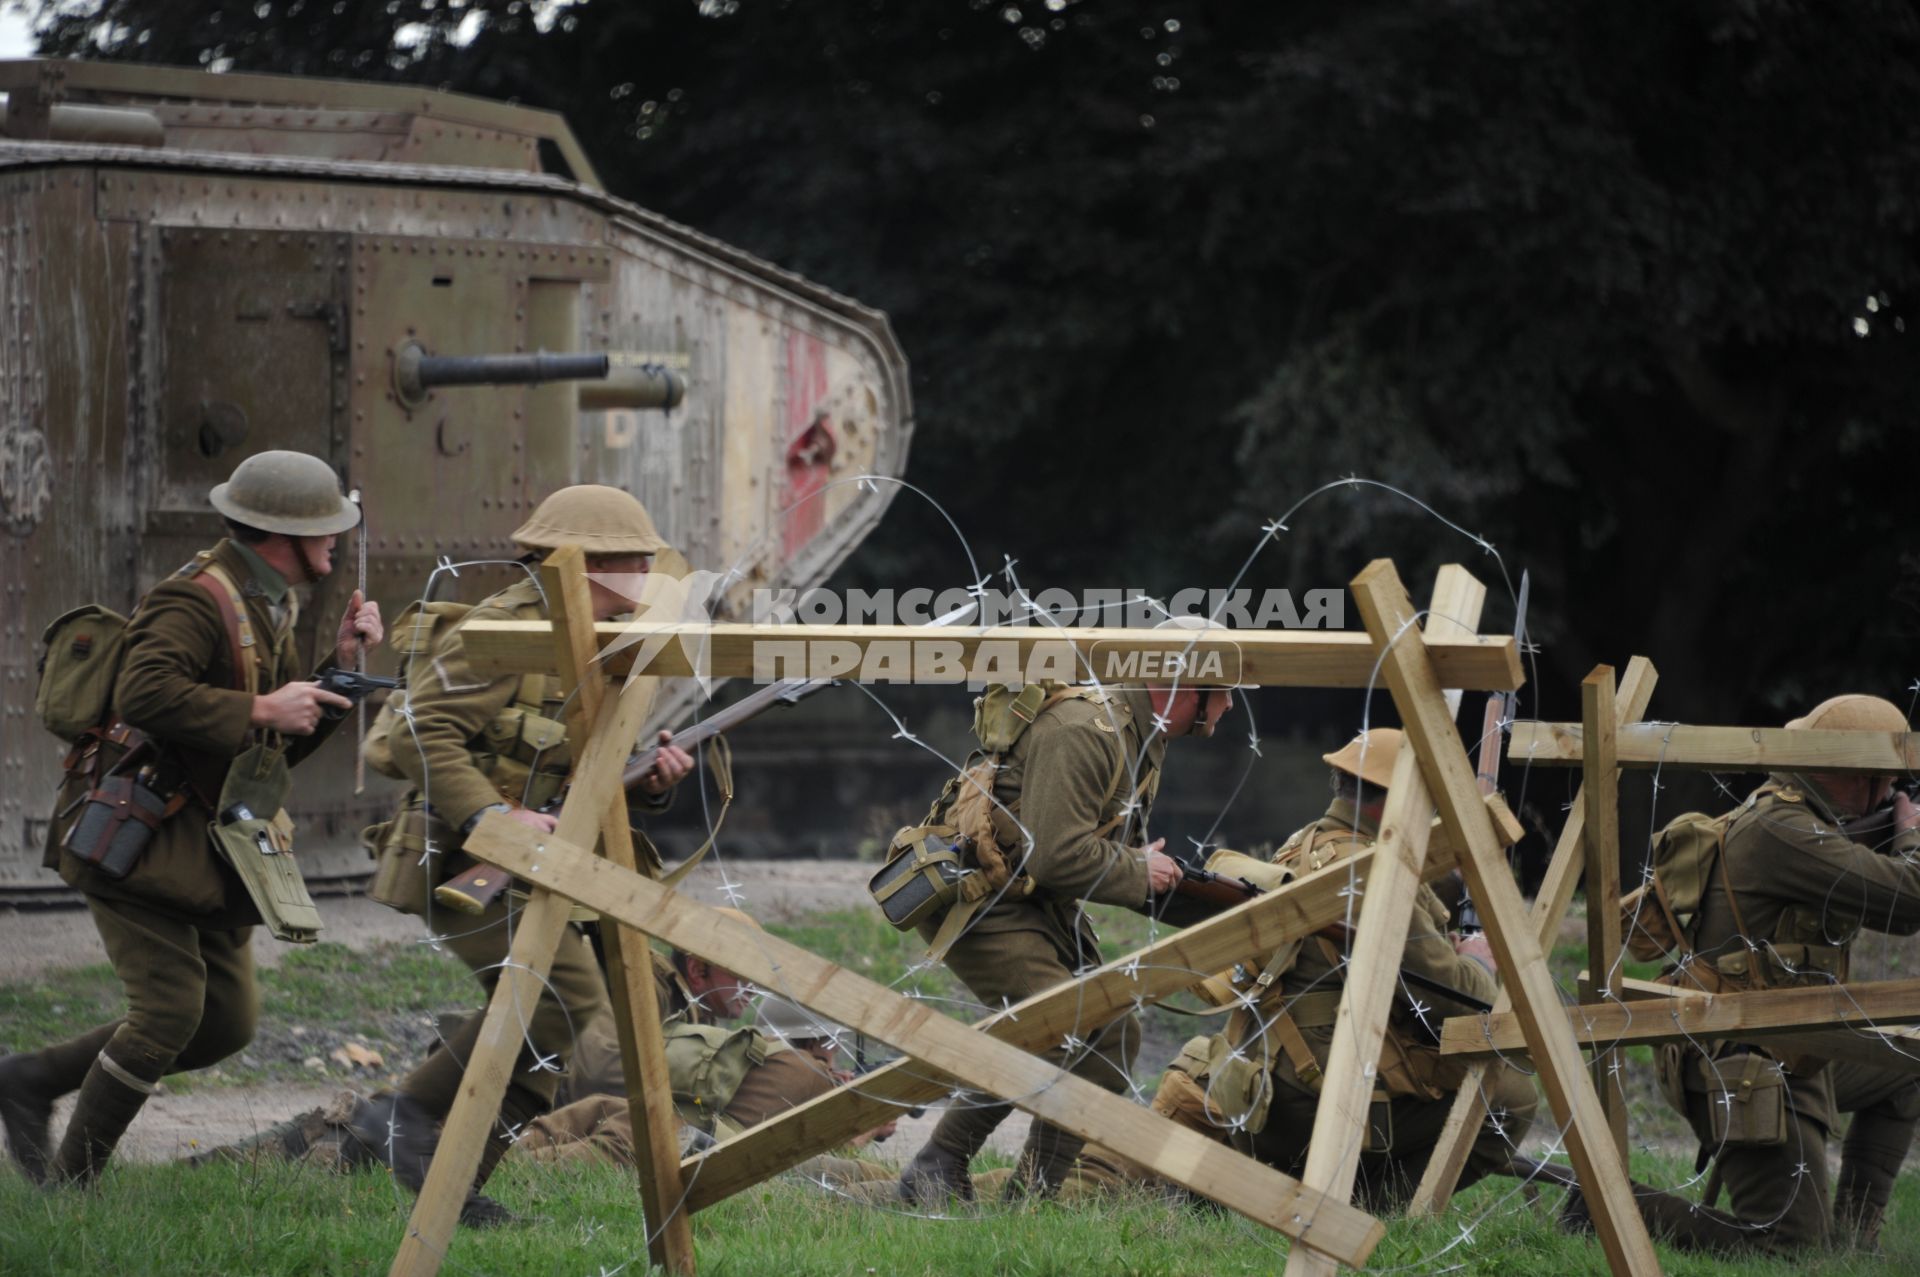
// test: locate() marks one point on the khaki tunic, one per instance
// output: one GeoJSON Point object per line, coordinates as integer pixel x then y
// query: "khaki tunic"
{"type": "Point", "coordinates": [450, 749]}
{"type": "Point", "coordinates": [1070, 774]}
{"type": "Point", "coordinates": [177, 685]}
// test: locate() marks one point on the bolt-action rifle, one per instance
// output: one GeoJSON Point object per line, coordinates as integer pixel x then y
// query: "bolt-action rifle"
{"type": "Point", "coordinates": [475, 890]}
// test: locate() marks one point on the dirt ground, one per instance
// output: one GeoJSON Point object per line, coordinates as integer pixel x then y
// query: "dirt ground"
{"type": "Point", "coordinates": [34, 941]}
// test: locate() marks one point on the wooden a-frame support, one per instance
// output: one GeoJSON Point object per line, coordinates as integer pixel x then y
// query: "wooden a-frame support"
{"type": "Point", "coordinates": [1564, 869]}
{"type": "Point", "coordinates": [1433, 769]}
{"type": "Point", "coordinates": [1438, 771]}
{"type": "Point", "coordinates": [595, 809]}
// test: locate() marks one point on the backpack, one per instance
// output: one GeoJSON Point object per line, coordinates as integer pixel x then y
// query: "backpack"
{"type": "Point", "coordinates": [412, 638]}
{"type": "Point", "coordinates": [83, 650]}
{"type": "Point", "coordinates": [706, 1064]}
{"type": "Point", "coordinates": [78, 666]}
{"type": "Point", "coordinates": [1658, 917]}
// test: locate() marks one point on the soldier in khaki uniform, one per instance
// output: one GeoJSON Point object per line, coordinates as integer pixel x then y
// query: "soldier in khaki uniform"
{"type": "Point", "coordinates": [177, 927]}
{"type": "Point", "coordinates": [688, 990]}
{"type": "Point", "coordinates": [472, 745]}
{"type": "Point", "coordinates": [1070, 797]}
{"type": "Point", "coordinates": [1257, 1084]}
{"type": "Point", "coordinates": [1789, 893]}
{"type": "Point", "coordinates": [591, 1098]}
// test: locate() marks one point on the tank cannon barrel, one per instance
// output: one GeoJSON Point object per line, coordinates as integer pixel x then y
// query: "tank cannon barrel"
{"type": "Point", "coordinates": [415, 372]}
{"type": "Point", "coordinates": [509, 370]}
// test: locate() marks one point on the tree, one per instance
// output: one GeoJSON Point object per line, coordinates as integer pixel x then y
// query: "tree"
{"type": "Point", "coordinates": [1622, 287]}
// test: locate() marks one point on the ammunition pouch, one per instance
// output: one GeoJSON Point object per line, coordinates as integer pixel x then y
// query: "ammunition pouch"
{"type": "Point", "coordinates": [255, 835]}
{"type": "Point", "coordinates": [1239, 1084]}
{"type": "Point", "coordinates": [1746, 1095]}
{"type": "Point", "coordinates": [403, 875]}
{"type": "Point", "coordinates": [525, 755]}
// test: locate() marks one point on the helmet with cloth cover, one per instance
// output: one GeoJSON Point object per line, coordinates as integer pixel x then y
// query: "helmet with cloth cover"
{"type": "Point", "coordinates": [597, 518]}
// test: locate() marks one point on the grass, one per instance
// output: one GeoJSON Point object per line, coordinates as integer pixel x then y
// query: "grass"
{"type": "Point", "coordinates": [284, 1220]}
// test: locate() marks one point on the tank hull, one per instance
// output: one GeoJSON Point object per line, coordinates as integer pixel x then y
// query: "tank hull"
{"type": "Point", "coordinates": [168, 312]}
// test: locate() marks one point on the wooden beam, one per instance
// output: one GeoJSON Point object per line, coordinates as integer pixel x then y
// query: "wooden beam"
{"type": "Point", "coordinates": [636, 1010]}
{"type": "Point", "coordinates": [1457, 1137]}
{"type": "Point", "coordinates": [1894, 1049]}
{"type": "Point", "coordinates": [539, 929]}
{"type": "Point", "coordinates": [1740, 1016]}
{"type": "Point", "coordinates": [1600, 799]}
{"type": "Point", "coordinates": [1726, 749]}
{"type": "Point", "coordinates": [1449, 776]}
{"type": "Point", "coordinates": [1264, 658]}
{"type": "Point", "coordinates": [1186, 1157]}
{"type": "Point", "coordinates": [1083, 1006]}
{"type": "Point", "coordinates": [1380, 940]}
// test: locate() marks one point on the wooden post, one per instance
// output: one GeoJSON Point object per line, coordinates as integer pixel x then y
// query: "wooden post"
{"type": "Point", "coordinates": [636, 1010]}
{"type": "Point", "coordinates": [1443, 763]}
{"type": "Point", "coordinates": [1374, 957]}
{"type": "Point", "coordinates": [1600, 798]}
{"type": "Point", "coordinates": [540, 927]}
{"type": "Point", "coordinates": [1549, 907]}
{"type": "Point", "coordinates": [973, 1059]}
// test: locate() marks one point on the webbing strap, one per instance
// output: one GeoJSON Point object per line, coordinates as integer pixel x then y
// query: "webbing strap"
{"type": "Point", "coordinates": [233, 614]}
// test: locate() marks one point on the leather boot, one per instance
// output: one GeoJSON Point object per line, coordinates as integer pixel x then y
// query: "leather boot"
{"type": "Point", "coordinates": [516, 1110]}
{"type": "Point", "coordinates": [934, 1176]}
{"type": "Point", "coordinates": [110, 1097]}
{"type": "Point", "coordinates": [1672, 1219]}
{"type": "Point", "coordinates": [29, 1084]}
{"type": "Point", "coordinates": [399, 1133]}
{"type": "Point", "coordinates": [1860, 1205]}
{"type": "Point", "coordinates": [1045, 1163]}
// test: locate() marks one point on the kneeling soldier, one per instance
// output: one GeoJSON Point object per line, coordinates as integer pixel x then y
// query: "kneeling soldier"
{"type": "Point", "coordinates": [1257, 1085]}
{"type": "Point", "coordinates": [1780, 908]}
{"type": "Point", "coordinates": [209, 674]}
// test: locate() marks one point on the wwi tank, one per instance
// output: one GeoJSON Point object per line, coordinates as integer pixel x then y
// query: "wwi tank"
{"type": "Point", "coordinates": [196, 267]}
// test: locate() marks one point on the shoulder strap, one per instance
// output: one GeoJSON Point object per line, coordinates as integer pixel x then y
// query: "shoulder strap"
{"type": "Point", "coordinates": [233, 614]}
{"type": "Point", "coordinates": [1733, 902]}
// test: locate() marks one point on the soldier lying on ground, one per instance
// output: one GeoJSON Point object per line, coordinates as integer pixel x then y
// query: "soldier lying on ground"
{"type": "Point", "coordinates": [1789, 892]}
{"type": "Point", "coordinates": [1257, 1084]}
{"type": "Point", "coordinates": [724, 1081]}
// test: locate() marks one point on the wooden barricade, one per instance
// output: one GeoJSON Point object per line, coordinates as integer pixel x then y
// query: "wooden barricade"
{"type": "Point", "coordinates": [993, 1057]}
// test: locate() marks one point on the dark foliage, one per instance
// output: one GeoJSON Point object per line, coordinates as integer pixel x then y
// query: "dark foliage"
{"type": "Point", "coordinates": [1622, 286]}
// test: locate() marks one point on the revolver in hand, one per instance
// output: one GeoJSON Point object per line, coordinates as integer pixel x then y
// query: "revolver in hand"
{"type": "Point", "coordinates": [353, 685]}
